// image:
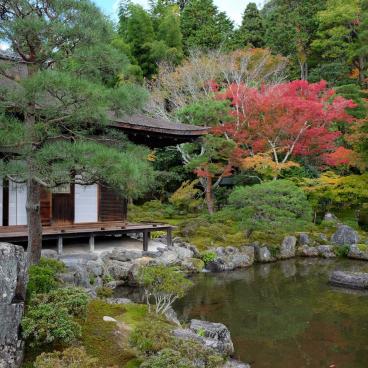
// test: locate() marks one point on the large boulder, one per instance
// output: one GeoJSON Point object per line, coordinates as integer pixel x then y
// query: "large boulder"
{"type": "Point", "coordinates": [248, 250]}
{"type": "Point", "coordinates": [168, 258]}
{"type": "Point", "coordinates": [263, 254]}
{"type": "Point", "coordinates": [231, 258]}
{"type": "Point", "coordinates": [352, 280]}
{"type": "Point", "coordinates": [358, 252]}
{"type": "Point", "coordinates": [304, 239]}
{"type": "Point", "coordinates": [183, 252]}
{"type": "Point", "coordinates": [215, 336]}
{"type": "Point", "coordinates": [306, 251]}
{"type": "Point", "coordinates": [231, 363]}
{"type": "Point", "coordinates": [118, 270]}
{"type": "Point", "coordinates": [345, 235]}
{"type": "Point", "coordinates": [217, 332]}
{"type": "Point", "coordinates": [124, 255]}
{"type": "Point", "coordinates": [326, 251]}
{"type": "Point", "coordinates": [12, 295]}
{"type": "Point", "coordinates": [287, 249]}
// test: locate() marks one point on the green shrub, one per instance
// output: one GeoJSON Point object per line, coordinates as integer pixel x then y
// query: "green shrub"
{"type": "Point", "coordinates": [52, 264]}
{"type": "Point", "coordinates": [187, 198]}
{"type": "Point", "coordinates": [42, 277]}
{"type": "Point", "coordinates": [208, 257]}
{"type": "Point", "coordinates": [74, 300]}
{"type": "Point", "coordinates": [362, 247]}
{"type": "Point", "coordinates": [272, 205]}
{"type": "Point", "coordinates": [150, 336]}
{"type": "Point", "coordinates": [342, 251]}
{"type": "Point", "coordinates": [69, 358]}
{"type": "Point", "coordinates": [164, 284]}
{"type": "Point", "coordinates": [50, 323]}
{"type": "Point", "coordinates": [168, 358]}
{"type": "Point", "coordinates": [104, 292]}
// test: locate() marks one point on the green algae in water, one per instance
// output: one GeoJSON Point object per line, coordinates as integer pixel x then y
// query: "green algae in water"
{"type": "Point", "coordinates": [286, 314]}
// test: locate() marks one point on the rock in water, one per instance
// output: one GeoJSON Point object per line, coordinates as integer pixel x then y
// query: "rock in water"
{"type": "Point", "coordinates": [306, 251]}
{"type": "Point", "coordinates": [12, 294]}
{"type": "Point", "coordinates": [231, 363]}
{"type": "Point", "coordinates": [358, 252]}
{"type": "Point", "coordinates": [345, 235]}
{"type": "Point", "coordinates": [287, 249]}
{"type": "Point", "coordinates": [353, 280]}
{"type": "Point", "coordinates": [326, 251]}
{"type": "Point", "coordinates": [263, 254]}
{"type": "Point", "coordinates": [217, 332]}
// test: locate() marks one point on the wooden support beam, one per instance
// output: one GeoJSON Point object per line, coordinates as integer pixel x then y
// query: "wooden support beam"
{"type": "Point", "coordinates": [91, 243]}
{"type": "Point", "coordinates": [146, 238]}
{"type": "Point", "coordinates": [60, 245]}
{"type": "Point", "coordinates": [169, 237]}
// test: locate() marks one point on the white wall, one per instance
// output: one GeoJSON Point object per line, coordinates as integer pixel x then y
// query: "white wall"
{"type": "Point", "coordinates": [17, 204]}
{"type": "Point", "coordinates": [86, 206]}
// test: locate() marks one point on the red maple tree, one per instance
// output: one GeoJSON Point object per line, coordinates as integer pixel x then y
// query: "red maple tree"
{"type": "Point", "coordinates": [288, 120]}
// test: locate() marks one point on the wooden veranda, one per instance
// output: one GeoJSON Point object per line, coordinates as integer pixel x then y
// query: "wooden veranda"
{"type": "Point", "coordinates": [90, 230]}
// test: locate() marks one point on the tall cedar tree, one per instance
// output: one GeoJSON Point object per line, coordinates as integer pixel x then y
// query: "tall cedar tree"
{"type": "Point", "coordinates": [251, 32]}
{"type": "Point", "coordinates": [204, 26]}
{"type": "Point", "coordinates": [338, 37]}
{"type": "Point", "coordinates": [50, 117]}
{"type": "Point", "coordinates": [291, 26]}
{"type": "Point", "coordinates": [151, 36]}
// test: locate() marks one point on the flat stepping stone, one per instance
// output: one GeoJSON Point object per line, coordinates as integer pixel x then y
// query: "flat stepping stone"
{"type": "Point", "coordinates": [352, 280]}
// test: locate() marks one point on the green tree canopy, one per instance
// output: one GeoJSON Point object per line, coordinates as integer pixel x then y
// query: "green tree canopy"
{"type": "Point", "coordinates": [52, 115]}
{"type": "Point", "coordinates": [204, 26]}
{"type": "Point", "coordinates": [251, 31]}
{"type": "Point", "coordinates": [291, 27]}
{"type": "Point", "coordinates": [338, 34]}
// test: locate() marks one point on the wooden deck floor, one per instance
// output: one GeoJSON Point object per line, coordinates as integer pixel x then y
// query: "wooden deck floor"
{"type": "Point", "coordinates": [90, 230]}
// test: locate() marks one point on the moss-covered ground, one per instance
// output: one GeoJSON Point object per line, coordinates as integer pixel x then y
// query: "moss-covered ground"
{"type": "Point", "coordinates": [108, 341]}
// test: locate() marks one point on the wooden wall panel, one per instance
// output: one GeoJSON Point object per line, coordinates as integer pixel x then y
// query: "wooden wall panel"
{"type": "Point", "coordinates": [45, 207]}
{"type": "Point", "coordinates": [63, 207]}
{"type": "Point", "coordinates": [112, 206]}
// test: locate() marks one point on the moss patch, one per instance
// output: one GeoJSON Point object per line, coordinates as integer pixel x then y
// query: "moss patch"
{"type": "Point", "coordinates": [103, 340]}
{"type": "Point", "coordinates": [133, 314]}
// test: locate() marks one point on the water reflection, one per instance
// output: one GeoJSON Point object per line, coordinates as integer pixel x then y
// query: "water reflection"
{"type": "Point", "coordinates": [285, 314]}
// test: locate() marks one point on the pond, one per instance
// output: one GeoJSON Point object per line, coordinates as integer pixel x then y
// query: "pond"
{"type": "Point", "coordinates": [285, 315]}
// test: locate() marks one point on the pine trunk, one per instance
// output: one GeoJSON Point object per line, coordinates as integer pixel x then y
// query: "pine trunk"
{"type": "Point", "coordinates": [34, 222]}
{"type": "Point", "coordinates": [33, 187]}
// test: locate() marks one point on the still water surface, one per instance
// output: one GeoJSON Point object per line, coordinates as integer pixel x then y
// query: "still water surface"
{"type": "Point", "coordinates": [285, 315]}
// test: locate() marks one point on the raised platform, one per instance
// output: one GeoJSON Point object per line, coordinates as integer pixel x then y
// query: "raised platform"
{"type": "Point", "coordinates": [90, 230]}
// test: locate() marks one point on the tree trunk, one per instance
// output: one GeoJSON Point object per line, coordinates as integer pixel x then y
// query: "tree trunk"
{"type": "Point", "coordinates": [361, 69]}
{"type": "Point", "coordinates": [33, 187]}
{"type": "Point", "coordinates": [34, 222]}
{"type": "Point", "coordinates": [209, 196]}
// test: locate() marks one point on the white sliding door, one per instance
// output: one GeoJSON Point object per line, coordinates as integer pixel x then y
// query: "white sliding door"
{"type": "Point", "coordinates": [86, 203]}
{"type": "Point", "coordinates": [17, 204]}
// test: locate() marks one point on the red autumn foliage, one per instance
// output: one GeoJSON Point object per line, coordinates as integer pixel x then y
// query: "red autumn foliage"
{"type": "Point", "coordinates": [287, 119]}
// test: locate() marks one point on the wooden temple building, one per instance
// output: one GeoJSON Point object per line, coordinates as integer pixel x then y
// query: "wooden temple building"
{"type": "Point", "coordinates": [87, 211]}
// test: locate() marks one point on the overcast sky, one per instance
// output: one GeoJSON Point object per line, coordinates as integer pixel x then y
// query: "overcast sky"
{"type": "Point", "coordinates": [234, 8]}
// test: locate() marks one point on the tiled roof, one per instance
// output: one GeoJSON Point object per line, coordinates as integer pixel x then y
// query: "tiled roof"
{"type": "Point", "coordinates": [144, 122]}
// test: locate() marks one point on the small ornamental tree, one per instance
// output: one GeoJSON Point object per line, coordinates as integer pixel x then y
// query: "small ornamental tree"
{"type": "Point", "coordinates": [164, 284]}
{"type": "Point", "coordinates": [286, 120]}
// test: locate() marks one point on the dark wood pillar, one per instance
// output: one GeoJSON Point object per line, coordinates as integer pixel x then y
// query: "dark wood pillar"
{"type": "Point", "coordinates": [146, 238]}
{"type": "Point", "coordinates": [169, 237]}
